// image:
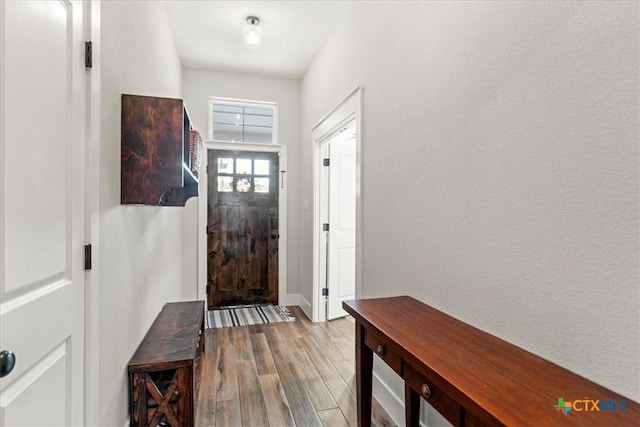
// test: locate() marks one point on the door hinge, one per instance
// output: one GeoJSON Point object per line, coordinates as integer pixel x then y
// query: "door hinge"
{"type": "Point", "coordinates": [326, 162]}
{"type": "Point", "coordinates": [88, 55]}
{"type": "Point", "coordinates": [87, 257]}
{"type": "Point", "coordinates": [325, 292]}
{"type": "Point", "coordinates": [325, 227]}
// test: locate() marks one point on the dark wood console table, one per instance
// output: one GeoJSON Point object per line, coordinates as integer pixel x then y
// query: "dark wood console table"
{"type": "Point", "coordinates": [471, 377]}
{"type": "Point", "coordinates": [162, 371]}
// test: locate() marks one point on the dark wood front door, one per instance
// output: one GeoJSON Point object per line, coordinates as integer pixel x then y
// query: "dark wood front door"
{"type": "Point", "coordinates": [242, 228]}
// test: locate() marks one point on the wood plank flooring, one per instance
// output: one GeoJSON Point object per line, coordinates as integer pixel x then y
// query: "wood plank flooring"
{"type": "Point", "coordinates": [283, 374]}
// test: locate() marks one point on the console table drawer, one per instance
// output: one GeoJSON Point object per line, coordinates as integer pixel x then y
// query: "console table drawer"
{"type": "Point", "coordinates": [435, 397]}
{"type": "Point", "coordinates": [382, 349]}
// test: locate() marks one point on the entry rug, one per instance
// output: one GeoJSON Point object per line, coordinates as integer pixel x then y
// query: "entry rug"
{"type": "Point", "coordinates": [247, 315]}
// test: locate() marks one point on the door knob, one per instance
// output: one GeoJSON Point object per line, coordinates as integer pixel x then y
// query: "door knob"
{"type": "Point", "coordinates": [7, 362]}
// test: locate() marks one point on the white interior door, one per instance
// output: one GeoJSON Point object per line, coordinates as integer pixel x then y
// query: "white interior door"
{"type": "Point", "coordinates": [342, 221]}
{"type": "Point", "coordinates": [42, 129]}
{"type": "Point", "coordinates": [346, 116]}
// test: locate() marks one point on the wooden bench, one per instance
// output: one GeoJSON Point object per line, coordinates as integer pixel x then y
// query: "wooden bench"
{"type": "Point", "coordinates": [162, 371]}
{"type": "Point", "coordinates": [471, 377]}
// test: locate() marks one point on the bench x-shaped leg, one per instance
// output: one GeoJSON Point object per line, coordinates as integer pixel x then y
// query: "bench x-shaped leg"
{"type": "Point", "coordinates": [163, 402]}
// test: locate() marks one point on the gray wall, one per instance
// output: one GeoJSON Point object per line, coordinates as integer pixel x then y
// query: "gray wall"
{"type": "Point", "coordinates": [500, 169]}
{"type": "Point", "coordinates": [139, 266]}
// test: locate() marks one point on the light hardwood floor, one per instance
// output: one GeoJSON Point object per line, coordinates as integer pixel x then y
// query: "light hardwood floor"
{"type": "Point", "coordinates": [283, 374]}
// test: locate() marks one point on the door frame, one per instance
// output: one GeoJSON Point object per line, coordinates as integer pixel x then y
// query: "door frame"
{"type": "Point", "coordinates": [348, 109]}
{"type": "Point", "coordinates": [281, 150]}
{"type": "Point", "coordinates": [92, 31]}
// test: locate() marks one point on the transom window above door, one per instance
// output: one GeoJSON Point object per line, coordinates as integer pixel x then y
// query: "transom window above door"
{"type": "Point", "coordinates": [243, 175]}
{"type": "Point", "coordinates": [235, 120]}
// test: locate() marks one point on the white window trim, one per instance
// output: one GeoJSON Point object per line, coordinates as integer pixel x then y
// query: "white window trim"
{"type": "Point", "coordinates": [243, 103]}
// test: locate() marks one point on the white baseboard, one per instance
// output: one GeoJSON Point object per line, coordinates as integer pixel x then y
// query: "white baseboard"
{"type": "Point", "coordinates": [299, 300]}
{"type": "Point", "coordinates": [306, 306]}
{"type": "Point", "coordinates": [390, 401]}
{"type": "Point", "coordinates": [292, 299]}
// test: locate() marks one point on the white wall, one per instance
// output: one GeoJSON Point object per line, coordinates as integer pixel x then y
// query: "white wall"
{"type": "Point", "coordinates": [500, 169]}
{"type": "Point", "coordinates": [139, 254]}
{"type": "Point", "coordinates": [199, 85]}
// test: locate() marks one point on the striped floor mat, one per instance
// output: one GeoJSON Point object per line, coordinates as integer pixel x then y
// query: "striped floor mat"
{"type": "Point", "coordinates": [247, 315]}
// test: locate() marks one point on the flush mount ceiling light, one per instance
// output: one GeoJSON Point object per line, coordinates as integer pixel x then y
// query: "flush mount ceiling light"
{"type": "Point", "coordinates": [252, 33]}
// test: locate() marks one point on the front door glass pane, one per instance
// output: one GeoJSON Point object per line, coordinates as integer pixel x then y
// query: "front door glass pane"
{"type": "Point", "coordinates": [261, 167]}
{"type": "Point", "coordinates": [225, 184]}
{"type": "Point", "coordinates": [261, 185]}
{"type": "Point", "coordinates": [225, 165]}
{"type": "Point", "coordinates": [243, 166]}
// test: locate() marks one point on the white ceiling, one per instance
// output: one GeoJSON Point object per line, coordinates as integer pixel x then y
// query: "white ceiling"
{"type": "Point", "coordinates": [208, 34]}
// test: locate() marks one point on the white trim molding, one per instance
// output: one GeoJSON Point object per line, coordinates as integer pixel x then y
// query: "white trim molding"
{"type": "Point", "coordinates": [350, 108]}
{"type": "Point", "coordinates": [392, 403]}
{"type": "Point", "coordinates": [243, 103]}
{"type": "Point", "coordinates": [300, 301]}
{"type": "Point", "coordinates": [92, 305]}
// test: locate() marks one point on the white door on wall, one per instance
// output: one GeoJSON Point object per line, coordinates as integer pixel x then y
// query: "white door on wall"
{"type": "Point", "coordinates": [342, 221]}
{"type": "Point", "coordinates": [42, 113]}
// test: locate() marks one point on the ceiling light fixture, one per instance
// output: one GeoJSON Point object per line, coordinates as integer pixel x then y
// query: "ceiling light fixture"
{"type": "Point", "coordinates": [252, 33]}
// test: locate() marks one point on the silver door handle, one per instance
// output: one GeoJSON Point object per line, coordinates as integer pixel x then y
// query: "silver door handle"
{"type": "Point", "coordinates": [7, 362]}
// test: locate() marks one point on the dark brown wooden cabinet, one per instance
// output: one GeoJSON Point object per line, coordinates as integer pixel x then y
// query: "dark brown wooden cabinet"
{"type": "Point", "coordinates": [156, 158]}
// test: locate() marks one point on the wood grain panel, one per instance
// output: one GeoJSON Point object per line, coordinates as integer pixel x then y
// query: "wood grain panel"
{"type": "Point", "coordinates": [319, 358]}
{"type": "Point", "coordinates": [295, 389]}
{"type": "Point", "coordinates": [206, 407]}
{"type": "Point", "coordinates": [278, 410]}
{"type": "Point", "coordinates": [228, 414]}
{"type": "Point", "coordinates": [301, 407]}
{"type": "Point", "coordinates": [332, 418]}
{"type": "Point", "coordinates": [331, 329]}
{"type": "Point", "coordinates": [262, 355]}
{"type": "Point", "coordinates": [171, 339]}
{"type": "Point", "coordinates": [288, 335]}
{"type": "Point", "coordinates": [346, 400]}
{"type": "Point", "coordinates": [272, 255]}
{"type": "Point", "coordinates": [243, 232]}
{"type": "Point", "coordinates": [318, 392]}
{"type": "Point", "coordinates": [151, 149]}
{"type": "Point", "coordinates": [347, 372]}
{"type": "Point", "coordinates": [344, 346]}
{"type": "Point", "coordinates": [226, 378]}
{"type": "Point", "coordinates": [278, 343]}
{"type": "Point", "coordinates": [255, 248]}
{"type": "Point", "coordinates": [229, 265]}
{"type": "Point", "coordinates": [241, 342]}
{"type": "Point", "coordinates": [252, 405]}
{"type": "Point", "coordinates": [345, 328]}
